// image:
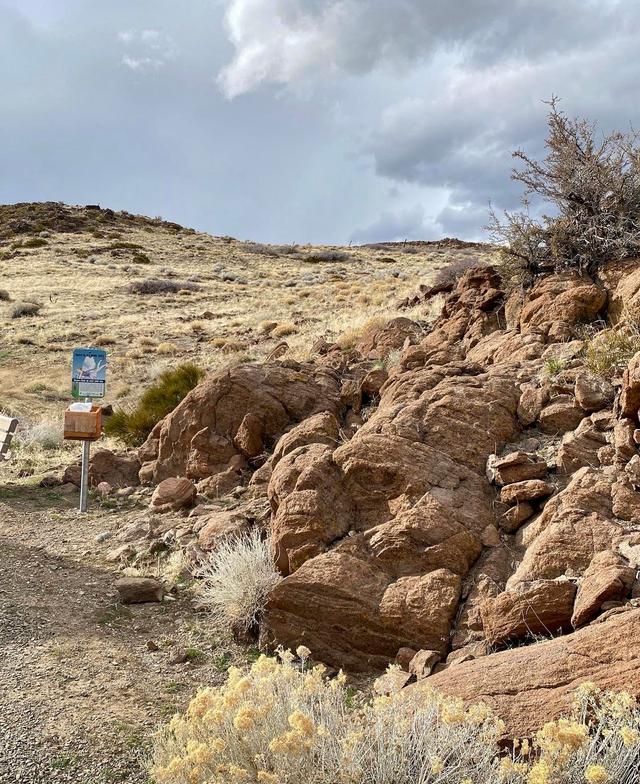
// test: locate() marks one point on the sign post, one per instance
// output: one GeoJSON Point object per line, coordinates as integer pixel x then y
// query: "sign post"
{"type": "Point", "coordinates": [83, 421]}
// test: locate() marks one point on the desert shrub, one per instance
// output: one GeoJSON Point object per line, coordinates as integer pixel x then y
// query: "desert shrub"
{"type": "Point", "coordinates": [237, 580]}
{"type": "Point", "coordinates": [607, 353]}
{"type": "Point", "coordinates": [4, 296]}
{"type": "Point", "coordinates": [125, 246]}
{"type": "Point", "coordinates": [593, 188]}
{"type": "Point", "coordinates": [157, 286]}
{"type": "Point", "coordinates": [134, 425]}
{"type": "Point", "coordinates": [44, 435]}
{"type": "Point", "coordinates": [319, 256]}
{"type": "Point", "coordinates": [286, 724]}
{"type": "Point", "coordinates": [22, 309]}
{"type": "Point", "coordinates": [280, 724]}
{"type": "Point", "coordinates": [34, 242]}
{"type": "Point", "coordinates": [259, 249]}
{"type": "Point", "coordinates": [141, 258]}
{"type": "Point", "coordinates": [284, 329]}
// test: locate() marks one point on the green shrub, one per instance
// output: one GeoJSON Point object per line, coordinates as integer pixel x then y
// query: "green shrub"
{"type": "Point", "coordinates": [134, 425]}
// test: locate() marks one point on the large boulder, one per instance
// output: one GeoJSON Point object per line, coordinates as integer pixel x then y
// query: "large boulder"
{"type": "Point", "coordinates": [119, 469]}
{"type": "Point", "coordinates": [236, 413]}
{"type": "Point", "coordinates": [557, 303]}
{"type": "Point", "coordinates": [531, 685]}
{"type": "Point", "coordinates": [543, 607]}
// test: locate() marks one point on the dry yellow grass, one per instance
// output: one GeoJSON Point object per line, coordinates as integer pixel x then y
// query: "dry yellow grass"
{"type": "Point", "coordinates": [240, 297]}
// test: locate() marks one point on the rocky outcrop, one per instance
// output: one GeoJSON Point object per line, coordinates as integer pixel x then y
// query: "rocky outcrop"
{"type": "Point", "coordinates": [531, 685]}
{"type": "Point", "coordinates": [236, 414]}
{"type": "Point", "coordinates": [481, 492]}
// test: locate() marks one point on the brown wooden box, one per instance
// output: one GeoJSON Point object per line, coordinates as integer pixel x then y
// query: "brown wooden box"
{"type": "Point", "coordinates": [83, 425]}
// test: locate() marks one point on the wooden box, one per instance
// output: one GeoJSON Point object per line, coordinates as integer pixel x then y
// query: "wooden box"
{"type": "Point", "coordinates": [83, 425]}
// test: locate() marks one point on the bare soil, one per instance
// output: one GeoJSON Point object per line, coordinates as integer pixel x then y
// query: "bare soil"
{"type": "Point", "coordinates": [81, 692]}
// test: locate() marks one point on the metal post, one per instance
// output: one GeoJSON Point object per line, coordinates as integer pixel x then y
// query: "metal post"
{"type": "Point", "coordinates": [84, 475]}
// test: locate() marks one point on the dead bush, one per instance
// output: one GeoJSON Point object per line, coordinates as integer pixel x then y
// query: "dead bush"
{"type": "Point", "coordinates": [592, 185]}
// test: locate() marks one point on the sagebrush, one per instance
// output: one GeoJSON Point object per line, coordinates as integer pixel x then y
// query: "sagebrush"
{"type": "Point", "coordinates": [285, 722]}
{"type": "Point", "coordinates": [133, 425]}
{"type": "Point", "coordinates": [592, 187]}
{"type": "Point", "coordinates": [237, 580]}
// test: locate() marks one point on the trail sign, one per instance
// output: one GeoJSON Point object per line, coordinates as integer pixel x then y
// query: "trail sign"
{"type": "Point", "coordinates": [88, 373]}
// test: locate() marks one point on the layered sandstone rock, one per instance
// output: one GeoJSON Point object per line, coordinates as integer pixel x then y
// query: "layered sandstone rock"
{"type": "Point", "coordinates": [238, 412]}
{"type": "Point", "coordinates": [531, 685]}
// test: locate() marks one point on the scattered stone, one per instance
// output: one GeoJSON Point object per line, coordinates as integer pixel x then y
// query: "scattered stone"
{"type": "Point", "coordinates": [593, 393]}
{"type": "Point", "coordinates": [528, 490]}
{"type": "Point", "coordinates": [393, 681]}
{"type": "Point", "coordinates": [423, 663]}
{"type": "Point", "coordinates": [515, 467]}
{"type": "Point", "coordinates": [152, 646]}
{"type": "Point", "coordinates": [607, 579]}
{"type": "Point", "coordinates": [404, 657]}
{"type": "Point", "coordinates": [103, 536]}
{"type": "Point", "coordinates": [561, 415]}
{"type": "Point", "coordinates": [543, 607]}
{"type": "Point", "coordinates": [104, 488]}
{"type": "Point", "coordinates": [135, 590]}
{"type": "Point", "coordinates": [173, 494]}
{"type": "Point", "coordinates": [513, 518]}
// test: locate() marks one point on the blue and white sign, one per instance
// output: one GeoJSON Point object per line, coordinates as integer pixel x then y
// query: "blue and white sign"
{"type": "Point", "coordinates": [89, 372]}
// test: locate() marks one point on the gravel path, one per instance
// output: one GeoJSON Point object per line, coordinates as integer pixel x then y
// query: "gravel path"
{"type": "Point", "coordinates": [80, 692]}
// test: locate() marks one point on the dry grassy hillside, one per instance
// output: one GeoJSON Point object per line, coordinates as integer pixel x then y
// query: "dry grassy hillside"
{"type": "Point", "coordinates": [227, 301]}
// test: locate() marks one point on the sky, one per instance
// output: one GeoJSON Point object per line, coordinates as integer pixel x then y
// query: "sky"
{"type": "Point", "coordinates": [292, 121]}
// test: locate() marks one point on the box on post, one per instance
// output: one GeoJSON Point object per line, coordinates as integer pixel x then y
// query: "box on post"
{"type": "Point", "coordinates": [83, 425]}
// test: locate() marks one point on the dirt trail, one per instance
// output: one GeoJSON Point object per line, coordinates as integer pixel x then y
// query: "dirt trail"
{"type": "Point", "coordinates": [80, 692]}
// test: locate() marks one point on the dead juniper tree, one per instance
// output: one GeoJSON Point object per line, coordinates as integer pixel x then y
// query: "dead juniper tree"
{"type": "Point", "coordinates": [593, 186]}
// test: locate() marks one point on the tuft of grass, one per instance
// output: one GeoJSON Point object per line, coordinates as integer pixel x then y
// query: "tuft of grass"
{"type": "Point", "coordinates": [22, 309]}
{"type": "Point", "coordinates": [4, 296]}
{"type": "Point", "coordinates": [34, 242]}
{"type": "Point", "coordinates": [553, 366]}
{"type": "Point", "coordinates": [141, 258]}
{"type": "Point", "coordinates": [608, 353]}
{"type": "Point", "coordinates": [105, 340]}
{"type": "Point", "coordinates": [237, 580]}
{"type": "Point", "coordinates": [133, 426]}
{"type": "Point", "coordinates": [287, 328]}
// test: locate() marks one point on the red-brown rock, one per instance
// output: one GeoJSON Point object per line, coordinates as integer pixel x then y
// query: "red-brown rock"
{"type": "Point", "coordinates": [541, 607]}
{"type": "Point", "coordinates": [173, 494]}
{"type": "Point", "coordinates": [607, 578]}
{"type": "Point", "coordinates": [529, 490]}
{"type": "Point", "coordinates": [534, 684]}
{"type": "Point", "coordinates": [561, 415]}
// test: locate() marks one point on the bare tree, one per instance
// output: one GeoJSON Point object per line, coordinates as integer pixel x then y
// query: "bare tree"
{"type": "Point", "coordinates": [594, 188]}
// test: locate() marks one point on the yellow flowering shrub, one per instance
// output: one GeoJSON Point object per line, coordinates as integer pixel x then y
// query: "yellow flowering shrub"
{"type": "Point", "coordinates": [285, 722]}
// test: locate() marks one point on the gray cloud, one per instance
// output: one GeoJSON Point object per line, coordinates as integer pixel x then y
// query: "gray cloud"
{"type": "Point", "coordinates": [362, 119]}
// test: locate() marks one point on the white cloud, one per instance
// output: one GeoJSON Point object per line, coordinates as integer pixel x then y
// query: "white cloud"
{"type": "Point", "coordinates": [141, 63]}
{"type": "Point", "coordinates": [149, 49]}
{"type": "Point", "coordinates": [284, 41]}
